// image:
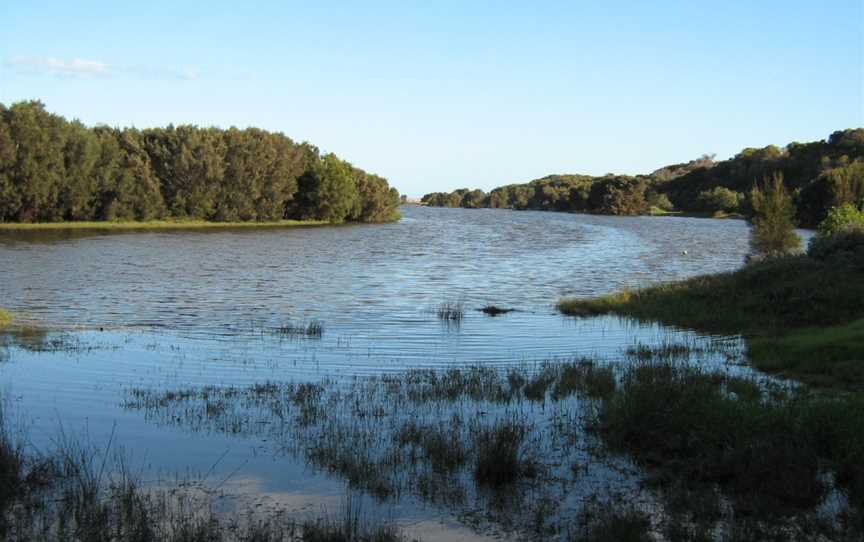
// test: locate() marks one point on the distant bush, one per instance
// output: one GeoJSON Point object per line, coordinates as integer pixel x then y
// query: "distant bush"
{"type": "Point", "coordinates": [843, 218]}
{"type": "Point", "coordinates": [660, 201]}
{"type": "Point", "coordinates": [720, 198]}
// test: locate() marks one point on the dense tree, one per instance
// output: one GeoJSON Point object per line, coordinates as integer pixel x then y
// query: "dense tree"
{"type": "Point", "coordinates": [329, 191]}
{"type": "Point", "coordinates": [820, 174]}
{"type": "Point", "coordinates": [52, 170]}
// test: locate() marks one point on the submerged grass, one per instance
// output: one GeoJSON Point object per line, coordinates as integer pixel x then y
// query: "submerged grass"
{"type": "Point", "coordinates": [75, 491]}
{"type": "Point", "coordinates": [314, 329]}
{"type": "Point", "coordinates": [451, 311]}
{"type": "Point", "coordinates": [152, 225]}
{"type": "Point", "coordinates": [719, 451]}
{"type": "Point", "coordinates": [767, 453]}
{"type": "Point", "coordinates": [502, 457]}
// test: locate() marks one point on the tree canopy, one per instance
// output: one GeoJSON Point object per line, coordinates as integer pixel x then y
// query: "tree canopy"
{"type": "Point", "coordinates": [53, 170]}
{"type": "Point", "coordinates": [820, 175]}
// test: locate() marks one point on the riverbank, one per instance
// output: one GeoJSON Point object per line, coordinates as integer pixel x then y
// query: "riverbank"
{"type": "Point", "coordinates": [155, 225]}
{"type": "Point", "coordinates": [802, 318]}
{"type": "Point", "coordinates": [5, 318]}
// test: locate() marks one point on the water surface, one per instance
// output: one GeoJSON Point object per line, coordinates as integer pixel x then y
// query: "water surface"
{"type": "Point", "coordinates": [164, 310]}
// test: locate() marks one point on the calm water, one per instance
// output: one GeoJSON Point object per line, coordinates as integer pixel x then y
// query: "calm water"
{"type": "Point", "coordinates": [171, 309]}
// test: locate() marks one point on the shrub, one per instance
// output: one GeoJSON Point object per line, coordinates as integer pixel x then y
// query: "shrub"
{"type": "Point", "coordinates": [720, 198]}
{"type": "Point", "coordinates": [842, 248]}
{"type": "Point", "coordinates": [773, 222]}
{"type": "Point", "coordinates": [843, 218]}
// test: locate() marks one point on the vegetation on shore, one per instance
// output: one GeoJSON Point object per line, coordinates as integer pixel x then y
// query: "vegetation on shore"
{"type": "Point", "coordinates": [803, 314]}
{"type": "Point", "coordinates": [821, 175]}
{"type": "Point", "coordinates": [54, 170]}
{"type": "Point", "coordinates": [152, 225]}
{"type": "Point", "coordinates": [5, 318]}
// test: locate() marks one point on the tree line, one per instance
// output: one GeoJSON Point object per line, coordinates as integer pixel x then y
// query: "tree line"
{"type": "Point", "coordinates": [54, 170]}
{"type": "Point", "coordinates": [820, 175]}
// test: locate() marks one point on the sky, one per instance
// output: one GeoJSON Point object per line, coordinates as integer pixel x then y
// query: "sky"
{"type": "Point", "coordinates": [437, 95]}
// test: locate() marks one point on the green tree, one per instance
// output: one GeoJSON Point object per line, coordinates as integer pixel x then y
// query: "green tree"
{"type": "Point", "coordinates": [843, 218]}
{"type": "Point", "coordinates": [772, 231]}
{"type": "Point", "coordinates": [720, 199]}
{"type": "Point", "coordinates": [329, 191]}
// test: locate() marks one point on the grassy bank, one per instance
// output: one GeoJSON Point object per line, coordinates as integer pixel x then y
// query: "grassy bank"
{"type": "Point", "coordinates": [5, 318]}
{"type": "Point", "coordinates": [802, 317]}
{"type": "Point", "coordinates": [153, 225]}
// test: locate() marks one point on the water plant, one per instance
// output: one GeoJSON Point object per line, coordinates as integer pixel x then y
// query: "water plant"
{"type": "Point", "coordinates": [493, 310]}
{"type": "Point", "coordinates": [451, 311]}
{"type": "Point", "coordinates": [313, 329]}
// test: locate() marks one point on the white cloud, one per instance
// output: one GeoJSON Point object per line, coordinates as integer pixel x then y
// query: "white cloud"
{"type": "Point", "coordinates": [59, 66]}
{"type": "Point", "coordinates": [80, 67]}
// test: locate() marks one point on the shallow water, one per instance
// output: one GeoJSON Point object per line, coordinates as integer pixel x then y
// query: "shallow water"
{"type": "Point", "coordinates": [191, 308]}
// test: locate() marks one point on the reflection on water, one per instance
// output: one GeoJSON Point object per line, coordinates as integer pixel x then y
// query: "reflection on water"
{"type": "Point", "coordinates": [192, 309]}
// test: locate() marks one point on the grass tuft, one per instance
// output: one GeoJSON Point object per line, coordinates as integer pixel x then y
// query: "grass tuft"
{"type": "Point", "coordinates": [451, 311]}
{"type": "Point", "coordinates": [501, 458]}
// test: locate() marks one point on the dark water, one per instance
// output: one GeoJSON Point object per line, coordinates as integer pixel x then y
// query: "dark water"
{"type": "Point", "coordinates": [192, 308]}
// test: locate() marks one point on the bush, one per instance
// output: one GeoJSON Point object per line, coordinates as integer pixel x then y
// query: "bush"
{"type": "Point", "coordinates": [719, 199]}
{"type": "Point", "coordinates": [842, 248]}
{"type": "Point", "coordinates": [843, 218]}
{"type": "Point", "coordinates": [773, 221]}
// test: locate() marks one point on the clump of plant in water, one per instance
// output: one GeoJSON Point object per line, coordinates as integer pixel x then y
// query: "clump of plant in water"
{"type": "Point", "coordinates": [502, 457]}
{"type": "Point", "coordinates": [493, 310]}
{"type": "Point", "coordinates": [314, 329]}
{"type": "Point", "coordinates": [451, 311]}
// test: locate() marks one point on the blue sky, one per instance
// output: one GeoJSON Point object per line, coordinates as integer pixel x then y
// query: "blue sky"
{"type": "Point", "coordinates": [439, 95]}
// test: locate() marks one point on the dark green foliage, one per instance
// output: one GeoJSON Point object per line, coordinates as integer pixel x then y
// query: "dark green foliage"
{"type": "Point", "coordinates": [686, 422]}
{"type": "Point", "coordinates": [53, 170]}
{"type": "Point", "coordinates": [772, 231]}
{"type": "Point", "coordinates": [845, 248]}
{"type": "Point", "coordinates": [820, 175]}
{"type": "Point", "coordinates": [610, 523]}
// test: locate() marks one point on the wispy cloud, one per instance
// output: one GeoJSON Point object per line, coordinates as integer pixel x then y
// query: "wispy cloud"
{"type": "Point", "coordinates": [80, 67]}
{"type": "Point", "coordinates": [59, 66]}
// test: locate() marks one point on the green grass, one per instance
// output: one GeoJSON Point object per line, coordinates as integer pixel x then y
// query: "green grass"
{"type": "Point", "coordinates": [801, 317]}
{"type": "Point", "coordinates": [656, 211]}
{"type": "Point", "coordinates": [817, 356]}
{"type": "Point", "coordinates": [152, 225]}
{"type": "Point", "coordinates": [763, 298]}
{"type": "Point", "coordinates": [5, 318]}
